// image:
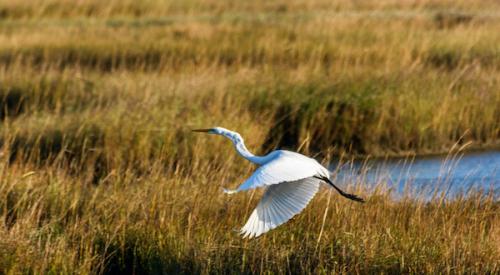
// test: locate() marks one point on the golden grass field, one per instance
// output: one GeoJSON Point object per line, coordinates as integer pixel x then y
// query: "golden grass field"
{"type": "Point", "coordinates": [99, 172]}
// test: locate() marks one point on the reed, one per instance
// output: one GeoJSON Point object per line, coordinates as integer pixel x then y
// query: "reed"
{"type": "Point", "coordinates": [169, 223]}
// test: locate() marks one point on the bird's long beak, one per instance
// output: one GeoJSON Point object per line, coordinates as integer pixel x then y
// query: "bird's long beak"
{"type": "Point", "coordinates": [201, 130]}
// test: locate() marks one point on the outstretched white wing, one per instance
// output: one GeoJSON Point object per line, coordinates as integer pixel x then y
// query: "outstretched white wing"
{"type": "Point", "coordinates": [279, 204]}
{"type": "Point", "coordinates": [284, 167]}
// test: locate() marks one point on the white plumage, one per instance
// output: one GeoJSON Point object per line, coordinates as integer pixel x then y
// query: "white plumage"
{"type": "Point", "coordinates": [291, 181]}
{"type": "Point", "coordinates": [280, 203]}
{"type": "Point", "coordinates": [283, 166]}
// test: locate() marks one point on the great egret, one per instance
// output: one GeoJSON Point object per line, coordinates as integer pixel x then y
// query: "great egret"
{"type": "Point", "coordinates": [291, 180]}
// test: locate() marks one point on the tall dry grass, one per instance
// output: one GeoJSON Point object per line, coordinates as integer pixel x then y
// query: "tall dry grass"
{"type": "Point", "coordinates": [171, 223]}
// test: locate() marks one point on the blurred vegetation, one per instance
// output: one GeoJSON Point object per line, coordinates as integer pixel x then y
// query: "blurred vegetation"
{"type": "Point", "coordinates": [100, 174]}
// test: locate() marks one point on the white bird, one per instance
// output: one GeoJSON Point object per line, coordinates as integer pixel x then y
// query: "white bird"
{"type": "Point", "coordinates": [291, 181]}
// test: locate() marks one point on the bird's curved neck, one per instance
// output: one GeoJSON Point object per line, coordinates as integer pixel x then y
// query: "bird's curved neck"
{"type": "Point", "coordinates": [243, 151]}
{"type": "Point", "coordinates": [239, 144]}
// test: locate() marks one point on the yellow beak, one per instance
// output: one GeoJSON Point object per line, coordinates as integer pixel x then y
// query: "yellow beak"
{"type": "Point", "coordinates": [201, 130]}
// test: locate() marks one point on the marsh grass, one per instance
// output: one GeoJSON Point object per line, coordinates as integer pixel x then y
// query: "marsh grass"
{"type": "Point", "coordinates": [156, 224]}
{"type": "Point", "coordinates": [99, 172]}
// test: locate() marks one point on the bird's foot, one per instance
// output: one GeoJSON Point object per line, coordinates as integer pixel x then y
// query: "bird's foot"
{"type": "Point", "coordinates": [228, 191]}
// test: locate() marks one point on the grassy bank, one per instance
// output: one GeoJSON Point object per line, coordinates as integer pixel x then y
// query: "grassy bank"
{"type": "Point", "coordinates": [355, 113]}
{"type": "Point", "coordinates": [155, 223]}
{"type": "Point", "coordinates": [353, 84]}
{"type": "Point", "coordinates": [99, 172]}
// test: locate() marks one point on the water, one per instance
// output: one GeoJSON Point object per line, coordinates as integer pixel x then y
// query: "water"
{"type": "Point", "coordinates": [451, 175]}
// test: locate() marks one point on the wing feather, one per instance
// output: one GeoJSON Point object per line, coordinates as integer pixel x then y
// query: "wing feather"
{"type": "Point", "coordinates": [279, 204]}
{"type": "Point", "coordinates": [274, 218]}
{"type": "Point", "coordinates": [262, 222]}
{"type": "Point", "coordinates": [283, 211]}
{"type": "Point", "coordinates": [269, 219]}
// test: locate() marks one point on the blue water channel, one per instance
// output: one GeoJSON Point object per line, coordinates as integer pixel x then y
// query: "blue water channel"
{"type": "Point", "coordinates": [449, 175]}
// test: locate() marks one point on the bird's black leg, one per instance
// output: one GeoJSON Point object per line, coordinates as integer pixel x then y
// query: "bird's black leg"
{"type": "Point", "coordinates": [347, 195]}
